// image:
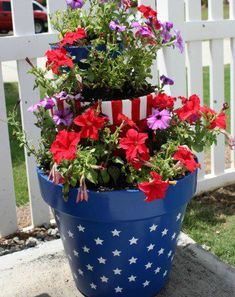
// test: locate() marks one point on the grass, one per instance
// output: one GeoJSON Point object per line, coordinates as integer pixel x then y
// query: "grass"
{"type": "Point", "coordinates": [210, 220]}
{"type": "Point", "coordinates": [205, 12]}
{"type": "Point", "coordinates": [17, 153]}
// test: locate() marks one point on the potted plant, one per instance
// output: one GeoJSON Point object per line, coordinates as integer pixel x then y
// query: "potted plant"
{"type": "Point", "coordinates": [117, 172]}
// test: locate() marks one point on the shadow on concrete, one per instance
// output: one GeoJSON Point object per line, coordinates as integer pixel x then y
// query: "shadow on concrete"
{"type": "Point", "coordinates": [43, 295]}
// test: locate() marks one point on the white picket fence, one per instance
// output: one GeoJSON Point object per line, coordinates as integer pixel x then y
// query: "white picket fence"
{"type": "Point", "coordinates": [25, 43]}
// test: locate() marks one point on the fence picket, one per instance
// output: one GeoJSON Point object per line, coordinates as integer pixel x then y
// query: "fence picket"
{"type": "Point", "coordinates": [194, 63]}
{"type": "Point", "coordinates": [39, 210]}
{"type": "Point", "coordinates": [215, 10]}
{"type": "Point", "coordinates": [53, 6]}
{"type": "Point", "coordinates": [232, 81]}
{"type": "Point", "coordinates": [8, 219]}
{"type": "Point", "coordinates": [172, 63]}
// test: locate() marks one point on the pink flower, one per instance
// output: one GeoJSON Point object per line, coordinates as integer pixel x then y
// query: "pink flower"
{"type": "Point", "coordinates": [159, 119]}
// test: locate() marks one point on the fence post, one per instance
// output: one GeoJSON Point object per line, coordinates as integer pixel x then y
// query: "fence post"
{"type": "Point", "coordinates": [172, 62]}
{"type": "Point", "coordinates": [215, 12]}
{"type": "Point", "coordinates": [8, 219]}
{"type": "Point", "coordinates": [23, 24]}
{"type": "Point", "coordinates": [194, 63]}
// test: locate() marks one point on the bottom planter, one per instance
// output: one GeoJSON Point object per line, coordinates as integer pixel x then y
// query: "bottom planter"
{"type": "Point", "coordinates": [116, 243]}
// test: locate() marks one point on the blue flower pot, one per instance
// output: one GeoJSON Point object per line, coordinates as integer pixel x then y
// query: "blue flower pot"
{"type": "Point", "coordinates": [80, 53]}
{"type": "Point", "coordinates": [118, 244]}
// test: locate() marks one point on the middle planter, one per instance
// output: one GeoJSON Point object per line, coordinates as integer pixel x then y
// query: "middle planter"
{"type": "Point", "coordinates": [136, 109]}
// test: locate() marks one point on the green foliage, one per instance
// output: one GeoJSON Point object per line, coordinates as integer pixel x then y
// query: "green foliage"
{"type": "Point", "coordinates": [117, 62]}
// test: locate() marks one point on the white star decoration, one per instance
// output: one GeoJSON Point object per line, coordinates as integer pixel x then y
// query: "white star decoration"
{"type": "Point", "coordinates": [132, 260]}
{"type": "Point", "coordinates": [150, 247]}
{"type": "Point", "coordinates": [146, 283]}
{"type": "Point", "coordinates": [93, 286]}
{"type": "Point", "coordinates": [132, 278]}
{"type": "Point", "coordinates": [116, 253]}
{"type": "Point", "coordinates": [102, 260]}
{"type": "Point", "coordinates": [178, 217]}
{"type": "Point", "coordinates": [80, 272]}
{"type": "Point", "coordinates": [157, 270]}
{"type": "Point", "coordinates": [70, 234]}
{"type": "Point", "coordinates": [169, 254]}
{"type": "Point", "coordinates": [86, 249]}
{"type": "Point", "coordinates": [75, 253]}
{"type": "Point", "coordinates": [133, 240]}
{"type": "Point", "coordinates": [89, 267]}
{"type": "Point", "coordinates": [153, 228]}
{"type": "Point", "coordinates": [98, 241]}
{"type": "Point", "coordinates": [116, 232]}
{"type": "Point", "coordinates": [104, 279]}
{"type": "Point", "coordinates": [160, 252]}
{"type": "Point", "coordinates": [118, 290]}
{"type": "Point", "coordinates": [173, 236]}
{"type": "Point", "coordinates": [164, 232]}
{"type": "Point", "coordinates": [81, 228]}
{"type": "Point", "coordinates": [148, 265]}
{"type": "Point", "coordinates": [117, 271]}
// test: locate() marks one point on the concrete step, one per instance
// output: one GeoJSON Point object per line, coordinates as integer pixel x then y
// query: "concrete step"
{"type": "Point", "coordinates": [43, 271]}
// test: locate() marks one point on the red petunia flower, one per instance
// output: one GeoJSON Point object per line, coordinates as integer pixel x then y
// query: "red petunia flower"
{"type": "Point", "coordinates": [155, 189]}
{"type": "Point", "coordinates": [162, 101]}
{"type": "Point", "coordinates": [90, 124]}
{"type": "Point", "coordinates": [57, 58]}
{"type": "Point", "coordinates": [213, 118]}
{"type": "Point", "coordinates": [147, 11]}
{"type": "Point", "coordinates": [64, 146]}
{"type": "Point", "coordinates": [128, 121]}
{"type": "Point", "coordinates": [134, 145]}
{"type": "Point", "coordinates": [186, 157]}
{"type": "Point", "coordinates": [190, 111]}
{"type": "Point", "coordinates": [72, 37]}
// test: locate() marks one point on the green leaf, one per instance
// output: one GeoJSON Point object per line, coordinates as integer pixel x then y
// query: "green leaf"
{"type": "Point", "coordinates": [105, 176]}
{"type": "Point", "coordinates": [117, 160]}
{"type": "Point", "coordinates": [115, 173]}
{"type": "Point", "coordinates": [92, 176]}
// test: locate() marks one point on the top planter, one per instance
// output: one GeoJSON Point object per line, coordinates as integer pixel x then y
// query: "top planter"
{"type": "Point", "coordinates": [81, 53]}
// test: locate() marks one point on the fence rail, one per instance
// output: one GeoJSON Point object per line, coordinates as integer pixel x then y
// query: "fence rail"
{"type": "Point", "coordinates": [186, 15]}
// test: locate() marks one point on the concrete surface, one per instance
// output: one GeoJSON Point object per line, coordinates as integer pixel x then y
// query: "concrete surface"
{"type": "Point", "coordinates": [43, 271]}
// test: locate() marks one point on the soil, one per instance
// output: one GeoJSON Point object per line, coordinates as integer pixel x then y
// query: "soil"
{"type": "Point", "coordinates": [127, 92]}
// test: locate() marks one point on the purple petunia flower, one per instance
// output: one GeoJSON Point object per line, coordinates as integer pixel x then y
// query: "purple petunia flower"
{"type": "Point", "coordinates": [166, 80]}
{"type": "Point", "coordinates": [179, 41]}
{"type": "Point", "coordinates": [64, 117]}
{"type": "Point", "coordinates": [74, 4]}
{"type": "Point", "coordinates": [159, 119]}
{"type": "Point", "coordinates": [143, 31]}
{"type": "Point", "coordinates": [47, 103]}
{"type": "Point", "coordinates": [33, 107]}
{"type": "Point", "coordinates": [114, 25]}
{"type": "Point", "coordinates": [64, 96]}
{"type": "Point", "coordinates": [165, 33]}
